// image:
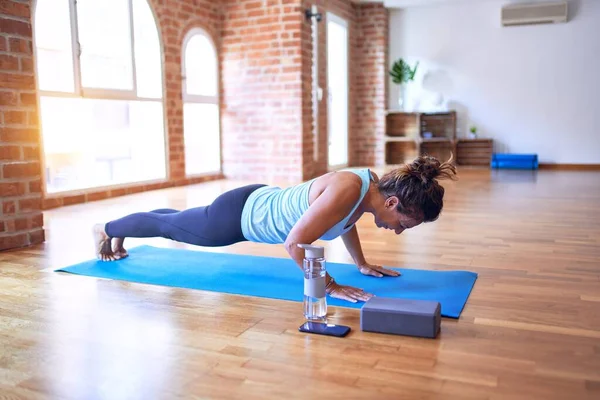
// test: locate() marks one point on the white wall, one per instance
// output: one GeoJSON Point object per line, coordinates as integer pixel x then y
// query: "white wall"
{"type": "Point", "coordinates": [533, 89]}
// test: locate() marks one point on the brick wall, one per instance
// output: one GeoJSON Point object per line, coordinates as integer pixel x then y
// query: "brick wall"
{"type": "Point", "coordinates": [262, 89]}
{"type": "Point", "coordinates": [371, 60]}
{"type": "Point", "coordinates": [310, 166]}
{"type": "Point", "coordinates": [267, 94]}
{"type": "Point", "coordinates": [21, 218]}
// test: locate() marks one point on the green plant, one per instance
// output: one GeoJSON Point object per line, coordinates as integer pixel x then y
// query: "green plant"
{"type": "Point", "coordinates": [473, 130]}
{"type": "Point", "coordinates": [401, 72]}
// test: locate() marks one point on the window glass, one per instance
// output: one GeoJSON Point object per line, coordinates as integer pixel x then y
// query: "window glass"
{"type": "Point", "coordinates": [105, 39]}
{"type": "Point", "coordinates": [94, 142]}
{"type": "Point", "coordinates": [200, 67]}
{"type": "Point", "coordinates": [201, 137]}
{"type": "Point", "coordinates": [54, 45]}
{"type": "Point", "coordinates": [147, 52]}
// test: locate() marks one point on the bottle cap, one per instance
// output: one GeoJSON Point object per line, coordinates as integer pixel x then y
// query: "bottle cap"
{"type": "Point", "coordinates": [311, 251]}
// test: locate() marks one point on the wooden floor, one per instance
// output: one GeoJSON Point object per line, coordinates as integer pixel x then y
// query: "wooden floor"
{"type": "Point", "coordinates": [530, 330]}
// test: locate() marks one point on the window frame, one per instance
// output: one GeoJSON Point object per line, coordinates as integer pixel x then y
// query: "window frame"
{"type": "Point", "coordinates": [201, 99]}
{"type": "Point", "coordinates": [101, 94]}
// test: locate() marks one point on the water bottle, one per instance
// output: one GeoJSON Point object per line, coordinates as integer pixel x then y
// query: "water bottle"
{"type": "Point", "coordinates": [315, 302]}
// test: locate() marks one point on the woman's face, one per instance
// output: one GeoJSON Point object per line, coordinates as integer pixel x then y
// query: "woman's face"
{"type": "Point", "coordinates": [388, 217]}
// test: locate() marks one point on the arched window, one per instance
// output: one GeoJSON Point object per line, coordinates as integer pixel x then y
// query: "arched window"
{"type": "Point", "coordinates": [101, 93]}
{"type": "Point", "coordinates": [201, 122]}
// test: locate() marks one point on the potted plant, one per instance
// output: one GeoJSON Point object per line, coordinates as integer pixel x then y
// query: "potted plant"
{"type": "Point", "coordinates": [402, 74]}
{"type": "Point", "coordinates": [473, 132]}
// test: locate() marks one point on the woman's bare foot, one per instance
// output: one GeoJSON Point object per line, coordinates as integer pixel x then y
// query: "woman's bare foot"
{"type": "Point", "coordinates": [103, 244]}
{"type": "Point", "coordinates": [118, 248]}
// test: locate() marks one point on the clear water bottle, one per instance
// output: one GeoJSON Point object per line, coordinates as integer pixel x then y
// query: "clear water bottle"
{"type": "Point", "coordinates": [315, 301]}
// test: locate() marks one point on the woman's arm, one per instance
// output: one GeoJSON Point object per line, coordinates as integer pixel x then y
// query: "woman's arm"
{"type": "Point", "coordinates": [352, 243]}
{"type": "Point", "coordinates": [336, 201]}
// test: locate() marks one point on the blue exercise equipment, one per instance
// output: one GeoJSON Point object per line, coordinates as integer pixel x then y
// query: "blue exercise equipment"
{"type": "Point", "coordinates": [514, 161]}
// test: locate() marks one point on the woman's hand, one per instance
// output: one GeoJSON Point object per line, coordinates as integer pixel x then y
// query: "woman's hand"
{"type": "Point", "coordinates": [376, 270]}
{"type": "Point", "coordinates": [348, 293]}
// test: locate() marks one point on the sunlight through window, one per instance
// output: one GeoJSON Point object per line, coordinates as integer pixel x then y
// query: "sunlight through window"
{"type": "Point", "coordinates": [201, 105]}
{"type": "Point", "coordinates": [101, 93]}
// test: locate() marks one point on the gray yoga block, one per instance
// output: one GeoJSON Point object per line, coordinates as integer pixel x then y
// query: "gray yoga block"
{"type": "Point", "coordinates": [401, 317]}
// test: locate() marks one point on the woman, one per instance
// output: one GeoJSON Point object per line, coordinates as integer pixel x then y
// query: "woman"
{"type": "Point", "coordinates": [323, 208]}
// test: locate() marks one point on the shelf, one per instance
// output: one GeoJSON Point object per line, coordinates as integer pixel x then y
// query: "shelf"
{"type": "Point", "coordinates": [440, 149]}
{"type": "Point", "coordinates": [398, 139]}
{"type": "Point", "coordinates": [474, 151]}
{"type": "Point", "coordinates": [473, 141]}
{"type": "Point", "coordinates": [399, 152]}
{"type": "Point", "coordinates": [440, 125]}
{"type": "Point", "coordinates": [401, 125]}
{"type": "Point", "coordinates": [391, 111]}
{"type": "Point", "coordinates": [434, 139]}
{"type": "Point", "coordinates": [403, 135]}
{"type": "Point", "coordinates": [396, 112]}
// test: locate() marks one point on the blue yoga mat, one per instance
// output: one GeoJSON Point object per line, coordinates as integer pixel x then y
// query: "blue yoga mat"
{"type": "Point", "coordinates": [276, 278]}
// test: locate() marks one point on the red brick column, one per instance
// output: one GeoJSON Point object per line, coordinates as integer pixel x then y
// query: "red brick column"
{"type": "Point", "coordinates": [371, 61]}
{"type": "Point", "coordinates": [309, 165]}
{"type": "Point", "coordinates": [262, 114]}
{"type": "Point", "coordinates": [21, 218]}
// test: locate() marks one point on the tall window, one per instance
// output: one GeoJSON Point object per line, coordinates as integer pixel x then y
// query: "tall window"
{"type": "Point", "coordinates": [201, 126]}
{"type": "Point", "coordinates": [337, 88]}
{"type": "Point", "coordinates": [100, 80]}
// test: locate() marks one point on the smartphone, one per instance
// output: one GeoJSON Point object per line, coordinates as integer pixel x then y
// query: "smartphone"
{"type": "Point", "coordinates": [321, 328]}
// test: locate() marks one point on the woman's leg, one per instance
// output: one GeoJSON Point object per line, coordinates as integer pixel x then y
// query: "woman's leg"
{"type": "Point", "coordinates": [218, 224]}
{"type": "Point", "coordinates": [118, 248]}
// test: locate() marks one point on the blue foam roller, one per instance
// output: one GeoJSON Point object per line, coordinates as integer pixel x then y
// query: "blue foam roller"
{"type": "Point", "coordinates": [508, 156]}
{"type": "Point", "coordinates": [514, 161]}
{"type": "Point", "coordinates": [513, 165]}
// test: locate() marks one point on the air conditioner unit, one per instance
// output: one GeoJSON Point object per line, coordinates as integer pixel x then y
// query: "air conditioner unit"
{"type": "Point", "coordinates": [534, 13]}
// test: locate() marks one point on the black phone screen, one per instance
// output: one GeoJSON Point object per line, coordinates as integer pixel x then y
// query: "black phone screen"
{"type": "Point", "coordinates": [321, 328]}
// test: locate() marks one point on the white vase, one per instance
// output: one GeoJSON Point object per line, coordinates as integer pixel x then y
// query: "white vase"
{"type": "Point", "coordinates": [402, 96]}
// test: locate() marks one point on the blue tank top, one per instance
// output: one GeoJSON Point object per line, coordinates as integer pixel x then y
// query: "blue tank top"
{"type": "Point", "coordinates": [270, 212]}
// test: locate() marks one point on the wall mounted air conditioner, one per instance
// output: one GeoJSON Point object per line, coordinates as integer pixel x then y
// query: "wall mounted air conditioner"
{"type": "Point", "coordinates": [534, 13]}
